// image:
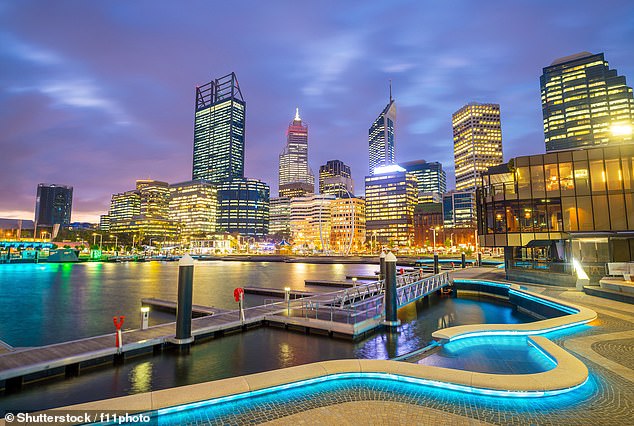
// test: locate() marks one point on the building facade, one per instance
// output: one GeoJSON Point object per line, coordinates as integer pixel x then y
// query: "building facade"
{"type": "Point", "coordinates": [280, 217]}
{"type": "Point", "coordinates": [243, 207]}
{"type": "Point", "coordinates": [391, 196]}
{"type": "Point", "coordinates": [335, 178]}
{"type": "Point", "coordinates": [347, 231]}
{"type": "Point", "coordinates": [294, 171]}
{"type": "Point", "coordinates": [585, 103]}
{"type": "Point", "coordinates": [432, 179]}
{"type": "Point", "coordinates": [53, 205]}
{"type": "Point", "coordinates": [381, 137]}
{"type": "Point", "coordinates": [459, 209]}
{"type": "Point", "coordinates": [549, 210]}
{"type": "Point", "coordinates": [477, 138]}
{"type": "Point", "coordinates": [310, 222]}
{"type": "Point", "coordinates": [219, 130]}
{"type": "Point", "coordinates": [194, 205]}
{"type": "Point", "coordinates": [427, 217]}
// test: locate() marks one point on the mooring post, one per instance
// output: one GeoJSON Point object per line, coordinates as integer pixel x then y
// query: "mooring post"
{"type": "Point", "coordinates": [391, 301]}
{"type": "Point", "coordinates": [184, 306]}
{"type": "Point", "coordinates": [382, 266]}
{"type": "Point", "coordinates": [436, 266]}
{"type": "Point", "coordinates": [464, 260]}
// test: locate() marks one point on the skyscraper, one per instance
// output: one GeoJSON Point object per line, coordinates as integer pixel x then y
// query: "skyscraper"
{"type": "Point", "coordinates": [585, 103]}
{"type": "Point", "coordinates": [53, 204]}
{"type": "Point", "coordinates": [335, 178]}
{"type": "Point", "coordinates": [295, 176]}
{"type": "Point", "coordinates": [432, 179]}
{"type": "Point", "coordinates": [381, 137]}
{"type": "Point", "coordinates": [243, 207]}
{"type": "Point", "coordinates": [219, 130]}
{"type": "Point", "coordinates": [390, 199]}
{"type": "Point", "coordinates": [477, 142]}
{"type": "Point", "coordinates": [194, 206]}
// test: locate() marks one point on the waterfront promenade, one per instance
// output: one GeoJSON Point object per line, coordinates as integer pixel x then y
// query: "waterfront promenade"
{"type": "Point", "coordinates": [604, 346]}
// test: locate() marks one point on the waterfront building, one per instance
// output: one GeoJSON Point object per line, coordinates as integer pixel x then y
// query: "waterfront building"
{"type": "Point", "coordinates": [432, 179]}
{"type": "Point", "coordinates": [335, 178]}
{"type": "Point", "coordinates": [427, 218]}
{"type": "Point", "coordinates": [53, 205]}
{"type": "Point", "coordinates": [243, 207]}
{"type": "Point", "coordinates": [381, 137]}
{"type": "Point", "coordinates": [549, 210]}
{"type": "Point", "coordinates": [391, 196]}
{"type": "Point", "coordinates": [194, 206]}
{"type": "Point", "coordinates": [104, 223]}
{"type": "Point", "coordinates": [280, 217]}
{"type": "Point", "coordinates": [459, 209]}
{"type": "Point", "coordinates": [347, 229]}
{"type": "Point", "coordinates": [294, 171]}
{"type": "Point", "coordinates": [219, 130]}
{"type": "Point", "coordinates": [477, 137]}
{"type": "Point", "coordinates": [154, 195]}
{"type": "Point", "coordinates": [310, 221]}
{"type": "Point", "coordinates": [585, 103]}
{"type": "Point", "coordinates": [123, 207]}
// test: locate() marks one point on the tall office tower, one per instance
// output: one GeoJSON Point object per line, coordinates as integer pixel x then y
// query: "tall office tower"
{"type": "Point", "coordinates": [585, 103]}
{"type": "Point", "coordinates": [335, 178]}
{"type": "Point", "coordinates": [477, 142]}
{"type": "Point", "coordinates": [53, 205]}
{"type": "Point", "coordinates": [104, 223]}
{"type": "Point", "coordinates": [219, 130]}
{"type": "Point", "coordinates": [194, 205]}
{"type": "Point", "coordinates": [381, 137]}
{"type": "Point", "coordinates": [295, 176]}
{"type": "Point", "coordinates": [432, 179]}
{"type": "Point", "coordinates": [280, 217]}
{"type": "Point", "coordinates": [155, 197]}
{"type": "Point", "coordinates": [390, 199]}
{"type": "Point", "coordinates": [310, 221]}
{"type": "Point", "coordinates": [243, 207]}
{"type": "Point", "coordinates": [459, 209]}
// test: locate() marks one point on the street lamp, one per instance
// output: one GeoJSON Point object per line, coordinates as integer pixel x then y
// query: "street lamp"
{"type": "Point", "coordinates": [287, 296]}
{"type": "Point", "coordinates": [94, 240]}
{"type": "Point", "coordinates": [437, 228]}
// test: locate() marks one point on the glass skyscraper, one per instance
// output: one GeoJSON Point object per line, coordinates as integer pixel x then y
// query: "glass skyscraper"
{"type": "Point", "coordinates": [381, 137]}
{"type": "Point", "coordinates": [219, 130]}
{"type": "Point", "coordinates": [477, 142]}
{"type": "Point", "coordinates": [243, 207]}
{"type": "Point", "coordinates": [585, 103]}
{"type": "Point", "coordinates": [432, 179]}
{"type": "Point", "coordinates": [335, 178]}
{"type": "Point", "coordinates": [53, 204]}
{"type": "Point", "coordinates": [295, 176]}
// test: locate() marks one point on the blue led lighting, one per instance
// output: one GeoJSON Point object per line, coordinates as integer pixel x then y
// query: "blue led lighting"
{"type": "Point", "coordinates": [563, 308]}
{"type": "Point", "coordinates": [381, 376]}
{"type": "Point", "coordinates": [487, 283]}
{"type": "Point", "coordinates": [517, 332]}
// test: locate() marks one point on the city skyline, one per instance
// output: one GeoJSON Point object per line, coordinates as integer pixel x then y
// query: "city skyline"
{"type": "Point", "coordinates": [74, 106]}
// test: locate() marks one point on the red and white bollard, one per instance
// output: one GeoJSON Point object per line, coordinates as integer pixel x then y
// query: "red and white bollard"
{"type": "Point", "coordinates": [238, 295]}
{"type": "Point", "coordinates": [119, 339]}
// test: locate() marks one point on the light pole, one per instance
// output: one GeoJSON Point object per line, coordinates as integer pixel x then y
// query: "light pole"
{"type": "Point", "coordinates": [94, 240]}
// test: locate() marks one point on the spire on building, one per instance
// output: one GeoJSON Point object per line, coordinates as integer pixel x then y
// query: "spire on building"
{"type": "Point", "coordinates": [297, 115]}
{"type": "Point", "coordinates": [390, 91]}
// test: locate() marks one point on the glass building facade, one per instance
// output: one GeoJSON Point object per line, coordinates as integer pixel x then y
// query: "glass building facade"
{"type": "Point", "coordinates": [294, 171]}
{"type": "Point", "coordinates": [391, 196]}
{"type": "Point", "coordinates": [243, 207]}
{"type": "Point", "coordinates": [280, 217]}
{"type": "Point", "coordinates": [547, 209]}
{"type": "Point", "coordinates": [194, 206]}
{"type": "Point", "coordinates": [585, 103]}
{"type": "Point", "coordinates": [310, 221]}
{"type": "Point", "coordinates": [347, 233]}
{"type": "Point", "coordinates": [459, 209]}
{"type": "Point", "coordinates": [381, 138]}
{"type": "Point", "coordinates": [335, 178]}
{"type": "Point", "coordinates": [219, 130]}
{"type": "Point", "coordinates": [477, 142]}
{"type": "Point", "coordinates": [432, 179]}
{"type": "Point", "coordinates": [53, 204]}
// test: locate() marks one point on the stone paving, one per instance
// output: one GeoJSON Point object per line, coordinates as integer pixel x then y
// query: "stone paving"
{"type": "Point", "coordinates": [606, 346]}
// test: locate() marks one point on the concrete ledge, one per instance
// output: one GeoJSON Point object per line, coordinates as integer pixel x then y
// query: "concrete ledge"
{"type": "Point", "coordinates": [583, 315]}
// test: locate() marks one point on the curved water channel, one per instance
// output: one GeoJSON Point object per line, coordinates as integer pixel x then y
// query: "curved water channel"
{"type": "Point", "coordinates": [49, 303]}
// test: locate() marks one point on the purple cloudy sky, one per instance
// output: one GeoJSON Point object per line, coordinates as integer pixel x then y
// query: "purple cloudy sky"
{"type": "Point", "coordinates": [96, 94]}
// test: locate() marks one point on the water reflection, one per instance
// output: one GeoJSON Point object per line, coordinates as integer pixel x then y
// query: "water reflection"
{"type": "Point", "coordinates": [141, 377]}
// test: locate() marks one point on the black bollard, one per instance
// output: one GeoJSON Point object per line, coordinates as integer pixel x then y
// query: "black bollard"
{"type": "Point", "coordinates": [436, 265]}
{"type": "Point", "coordinates": [391, 302]}
{"type": "Point", "coordinates": [464, 260]}
{"type": "Point", "coordinates": [479, 259]}
{"type": "Point", "coordinates": [184, 306]}
{"type": "Point", "coordinates": [382, 266]}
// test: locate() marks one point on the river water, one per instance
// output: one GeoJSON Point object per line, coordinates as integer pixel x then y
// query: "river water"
{"type": "Point", "coordinates": [50, 303]}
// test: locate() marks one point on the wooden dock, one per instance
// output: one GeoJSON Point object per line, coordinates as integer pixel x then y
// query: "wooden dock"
{"type": "Point", "coordinates": [331, 283]}
{"type": "Point", "coordinates": [170, 307]}
{"type": "Point", "coordinates": [276, 292]}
